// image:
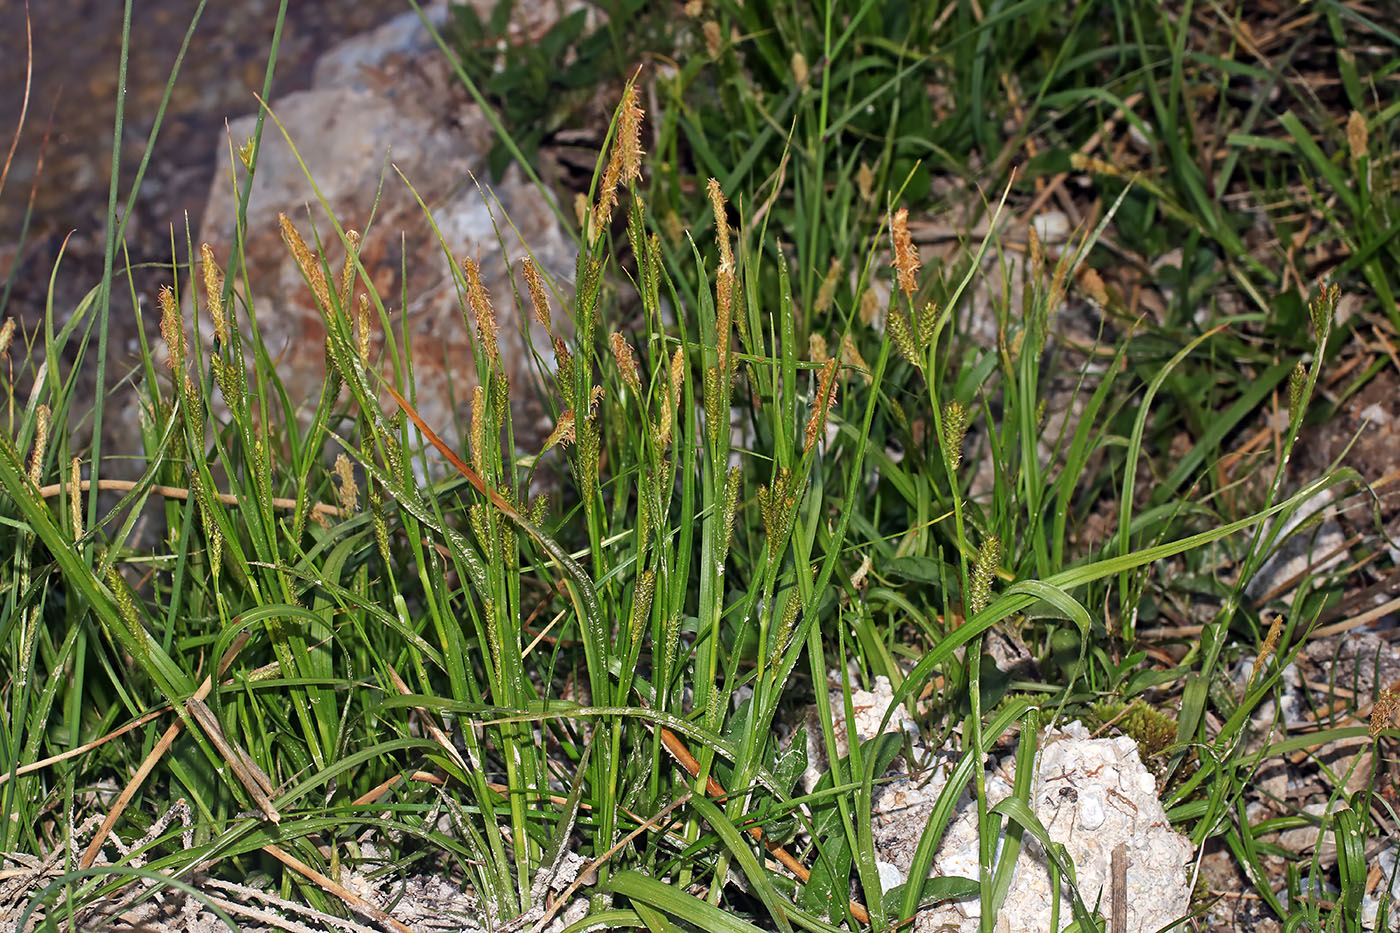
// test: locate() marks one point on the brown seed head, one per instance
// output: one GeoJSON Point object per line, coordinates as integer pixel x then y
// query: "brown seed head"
{"type": "Point", "coordinates": [214, 293]}
{"type": "Point", "coordinates": [850, 356]}
{"type": "Point", "coordinates": [347, 271]}
{"type": "Point", "coordinates": [821, 404]}
{"type": "Point", "coordinates": [1357, 136]}
{"type": "Point", "coordinates": [1382, 711]}
{"type": "Point", "coordinates": [1093, 286]}
{"type": "Point", "coordinates": [362, 328]}
{"type": "Point", "coordinates": [307, 262]}
{"type": "Point", "coordinates": [538, 298]}
{"type": "Point", "coordinates": [799, 68]}
{"type": "Point", "coordinates": [563, 432]}
{"type": "Point", "coordinates": [717, 205]}
{"type": "Point", "coordinates": [172, 330]}
{"type": "Point", "coordinates": [724, 310]}
{"type": "Point", "coordinates": [624, 162]}
{"type": "Point", "coordinates": [1270, 644]}
{"type": "Point", "coordinates": [865, 182]}
{"type": "Point", "coordinates": [906, 254]}
{"type": "Point", "coordinates": [41, 443]}
{"type": "Point", "coordinates": [827, 292]}
{"type": "Point", "coordinates": [713, 37]}
{"type": "Point", "coordinates": [348, 492]}
{"type": "Point", "coordinates": [479, 301]}
{"type": "Point", "coordinates": [75, 501]}
{"type": "Point", "coordinates": [626, 362]}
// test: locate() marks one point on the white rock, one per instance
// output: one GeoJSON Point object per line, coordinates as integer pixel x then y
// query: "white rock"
{"type": "Point", "coordinates": [1091, 795]}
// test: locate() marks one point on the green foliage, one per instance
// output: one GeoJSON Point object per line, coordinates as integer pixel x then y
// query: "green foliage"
{"type": "Point", "coordinates": [757, 475]}
{"type": "Point", "coordinates": [1153, 730]}
{"type": "Point", "coordinates": [541, 86]}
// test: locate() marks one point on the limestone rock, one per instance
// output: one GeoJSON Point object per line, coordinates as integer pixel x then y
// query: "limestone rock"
{"type": "Point", "coordinates": [1091, 795]}
{"type": "Point", "coordinates": [386, 107]}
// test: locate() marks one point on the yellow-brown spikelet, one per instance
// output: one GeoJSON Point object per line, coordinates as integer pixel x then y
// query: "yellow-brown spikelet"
{"type": "Point", "coordinates": [827, 291]}
{"type": "Point", "coordinates": [479, 301]}
{"type": "Point", "coordinates": [362, 328]}
{"type": "Point", "coordinates": [478, 430]}
{"type": "Point", "coordinates": [1083, 163]}
{"type": "Point", "coordinates": [624, 162]}
{"type": "Point", "coordinates": [629, 136]}
{"type": "Point", "coordinates": [694, 8]}
{"type": "Point", "coordinates": [348, 492]}
{"type": "Point", "coordinates": [677, 376]}
{"type": "Point", "coordinates": [821, 404]}
{"type": "Point", "coordinates": [713, 37]}
{"type": "Point", "coordinates": [799, 68]}
{"type": "Point", "coordinates": [1382, 711]}
{"type": "Point", "coordinates": [1057, 287]}
{"type": "Point", "coordinates": [906, 254]}
{"type": "Point", "coordinates": [595, 395]}
{"type": "Point", "coordinates": [538, 297]}
{"type": "Point", "coordinates": [41, 443]}
{"type": "Point", "coordinates": [564, 366]}
{"type": "Point", "coordinates": [214, 293]}
{"type": "Point", "coordinates": [724, 310]}
{"type": "Point", "coordinates": [865, 182]}
{"type": "Point", "coordinates": [7, 335]}
{"type": "Point", "coordinates": [717, 205]}
{"type": "Point", "coordinates": [1270, 645]}
{"type": "Point", "coordinates": [850, 356]}
{"type": "Point", "coordinates": [75, 501]}
{"type": "Point", "coordinates": [563, 432]}
{"type": "Point", "coordinates": [310, 266]}
{"type": "Point", "coordinates": [347, 271]}
{"type": "Point", "coordinates": [869, 307]}
{"type": "Point", "coordinates": [1357, 136]}
{"type": "Point", "coordinates": [671, 399]}
{"type": "Point", "coordinates": [172, 331]}
{"type": "Point", "coordinates": [1035, 251]}
{"type": "Point", "coordinates": [626, 362]}
{"type": "Point", "coordinates": [817, 351]}
{"type": "Point", "coordinates": [1093, 286]}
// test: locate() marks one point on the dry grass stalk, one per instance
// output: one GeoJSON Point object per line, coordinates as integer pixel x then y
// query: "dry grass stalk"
{"type": "Point", "coordinates": [148, 765]}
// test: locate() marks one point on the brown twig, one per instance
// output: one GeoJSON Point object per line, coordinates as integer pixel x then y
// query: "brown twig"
{"type": "Point", "coordinates": [166, 740]}
{"type": "Point", "coordinates": [179, 492]}
{"type": "Point", "coordinates": [326, 884]}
